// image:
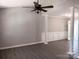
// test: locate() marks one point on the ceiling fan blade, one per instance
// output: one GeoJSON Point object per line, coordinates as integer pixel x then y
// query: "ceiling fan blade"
{"type": "Point", "coordinates": [48, 6]}
{"type": "Point", "coordinates": [43, 10]}
{"type": "Point", "coordinates": [27, 7]}
{"type": "Point", "coordinates": [34, 10]}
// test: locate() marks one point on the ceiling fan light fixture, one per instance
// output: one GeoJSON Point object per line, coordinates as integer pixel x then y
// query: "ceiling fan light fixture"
{"type": "Point", "coordinates": [38, 7]}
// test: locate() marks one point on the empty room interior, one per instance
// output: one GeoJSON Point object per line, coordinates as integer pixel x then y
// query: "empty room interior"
{"type": "Point", "coordinates": [39, 29]}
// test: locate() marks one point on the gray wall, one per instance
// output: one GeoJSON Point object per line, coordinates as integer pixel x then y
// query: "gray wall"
{"type": "Point", "coordinates": [19, 26]}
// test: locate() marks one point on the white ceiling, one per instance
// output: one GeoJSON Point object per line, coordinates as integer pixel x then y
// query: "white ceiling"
{"type": "Point", "coordinates": [15, 3]}
{"type": "Point", "coordinates": [60, 6]}
{"type": "Point", "coordinates": [63, 6]}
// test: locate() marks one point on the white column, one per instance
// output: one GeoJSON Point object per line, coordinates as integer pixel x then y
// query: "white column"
{"type": "Point", "coordinates": [46, 29]}
{"type": "Point", "coordinates": [78, 33]}
{"type": "Point", "coordinates": [71, 31]}
{"type": "Point", "coordinates": [69, 23]}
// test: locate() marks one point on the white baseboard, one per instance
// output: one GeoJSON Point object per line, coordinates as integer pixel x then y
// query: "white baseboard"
{"type": "Point", "coordinates": [20, 45]}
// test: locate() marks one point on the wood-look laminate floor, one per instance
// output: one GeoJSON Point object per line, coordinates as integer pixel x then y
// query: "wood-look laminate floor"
{"type": "Point", "coordinates": [54, 50]}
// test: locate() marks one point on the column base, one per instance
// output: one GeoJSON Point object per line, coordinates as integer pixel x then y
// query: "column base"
{"type": "Point", "coordinates": [77, 57]}
{"type": "Point", "coordinates": [45, 42]}
{"type": "Point", "coordinates": [70, 53]}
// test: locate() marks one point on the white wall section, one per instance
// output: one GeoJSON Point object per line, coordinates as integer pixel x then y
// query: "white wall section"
{"type": "Point", "coordinates": [19, 26]}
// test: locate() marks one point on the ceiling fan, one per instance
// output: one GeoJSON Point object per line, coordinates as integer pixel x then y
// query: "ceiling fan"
{"type": "Point", "coordinates": [38, 7]}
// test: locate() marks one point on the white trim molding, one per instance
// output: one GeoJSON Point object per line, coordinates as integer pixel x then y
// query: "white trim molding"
{"type": "Point", "coordinates": [20, 45]}
{"type": "Point", "coordinates": [53, 36]}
